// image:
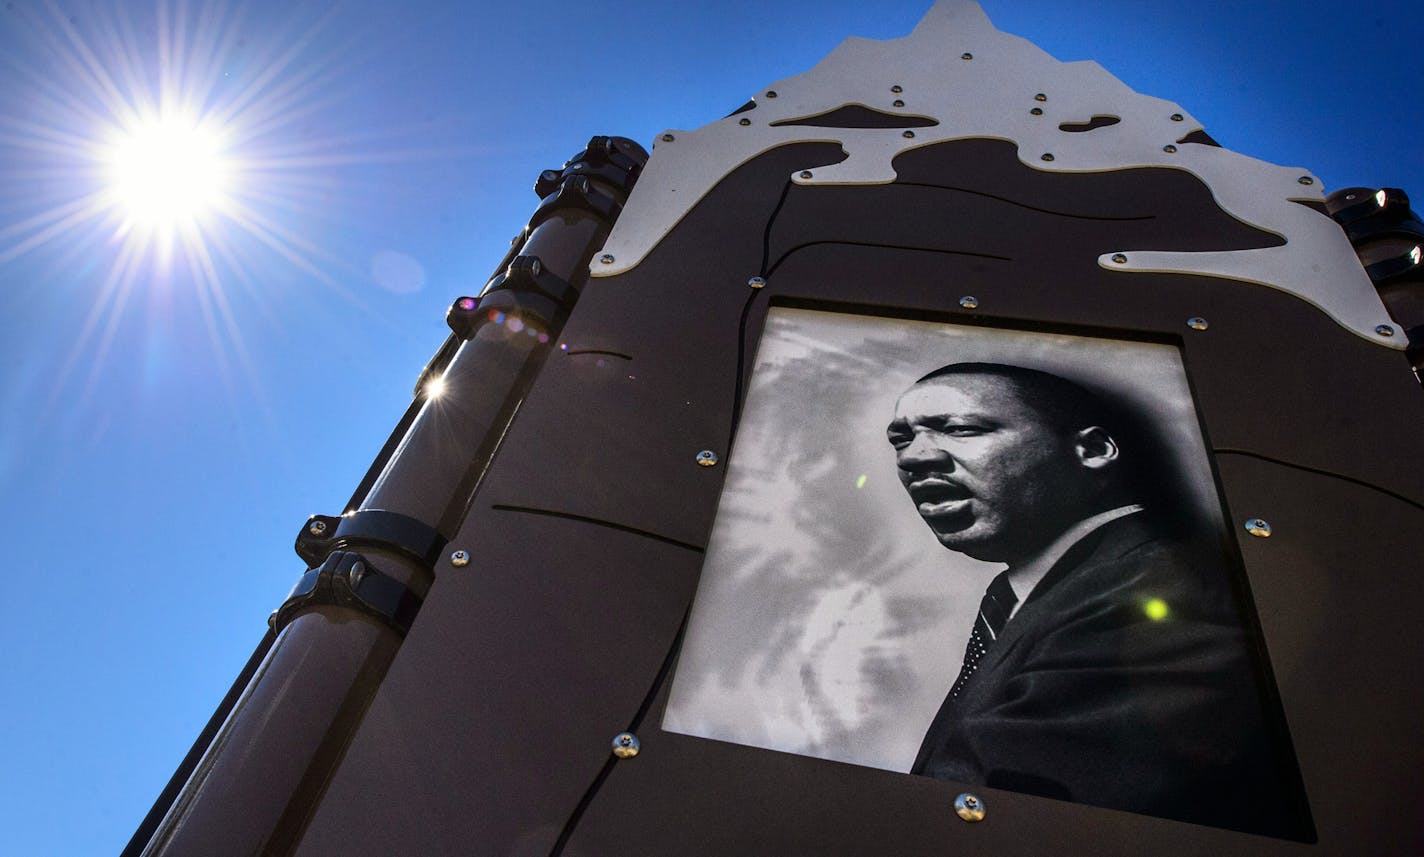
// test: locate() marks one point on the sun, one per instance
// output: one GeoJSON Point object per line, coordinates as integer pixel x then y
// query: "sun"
{"type": "Point", "coordinates": [169, 171]}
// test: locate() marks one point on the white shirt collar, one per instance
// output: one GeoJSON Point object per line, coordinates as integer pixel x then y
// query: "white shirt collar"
{"type": "Point", "coordinates": [1025, 576]}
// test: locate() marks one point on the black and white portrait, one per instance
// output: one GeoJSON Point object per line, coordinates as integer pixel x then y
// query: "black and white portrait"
{"type": "Point", "coordinates": [989, 557]}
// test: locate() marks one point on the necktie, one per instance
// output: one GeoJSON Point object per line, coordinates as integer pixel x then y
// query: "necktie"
{"type": "Point", "coordinates": [999, 599]}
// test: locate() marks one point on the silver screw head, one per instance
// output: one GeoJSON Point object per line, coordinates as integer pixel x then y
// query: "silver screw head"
{"type": "Point", "coordinates": [1047, 156]}
{"type": "Point", "coordinates": [1040, 97]}
{"type": "Point", "coordinates": [317, 528]}
{"type": "Point", "coordinates": [606, 258]}
{"type": "Point", "coordinates": [460, 559]}
{"type": "Point", "coordinates": [969, 807]}
{"type": "Point", "coordinates": [668, 138]}
{"type": "Point", "coordinates": [757, 282]}
{"type": "Point", "coordinates": [969, 302]}
{"type": "Point", "coordinates": [897, 103]}
{"type": "Point", "coordinates": [626, 745]}
{"type": "Point", "coordinates": [707, 458]}
{"type": "Point", "coordinates": [1169, 148]}
{"type": "Point", "coordinates": [1196, 322]}
{"type": "Point", "coordinates": [1177, 117]}
{"type": "Point", "coordinates": [1258, 528]}
{"type": "Point", "coordinates": [1306, 180]}
{"type": "Point", "coordinates": [1037, 111]}
{"type": "Point", "coordinates": [1119, 258]}
{"type": "Point", "coordinates": [966, 56]}
{"type": "Point", "coordinates": [771, 93]}
{"type": "Point", "coordinates": [744, 121]}
{"type": "Point", "coordinates": [805, 174]}
{"type": "Point", "coordinates": [1384, 330]}
{"type": "Point", "coordinates": [908, 135]}
{"type": "Point", "coordinates": [897, 88]}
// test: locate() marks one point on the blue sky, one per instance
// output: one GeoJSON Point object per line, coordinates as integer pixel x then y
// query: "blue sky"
{"type": "Point", "coordinates": [163, 433]}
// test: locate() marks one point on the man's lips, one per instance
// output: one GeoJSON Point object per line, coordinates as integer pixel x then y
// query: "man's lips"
{"type": "Point", "coordinates": [936, 497]}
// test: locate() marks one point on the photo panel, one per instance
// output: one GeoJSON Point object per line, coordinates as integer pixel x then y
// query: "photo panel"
{"type": "Point", "coordinates": [868, 509]}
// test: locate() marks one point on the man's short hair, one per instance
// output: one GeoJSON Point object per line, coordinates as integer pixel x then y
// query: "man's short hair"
{"type": "Point", "coordinates": [1062, 403]}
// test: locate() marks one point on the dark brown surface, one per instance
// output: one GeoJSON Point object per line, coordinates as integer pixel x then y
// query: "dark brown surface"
{"type": "Point", "coordinates": [503, 702]}
{"type": "Point", "coordinates": [497, 715]}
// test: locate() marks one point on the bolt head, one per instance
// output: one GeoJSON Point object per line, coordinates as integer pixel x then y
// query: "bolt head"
{"type": "Point", "coordinates": [1258, 528]}
{"type": "Point", "coordinates": [908, 135]}
{"type": "Point", "coordinates": [1037, 111]}
{"type": "Point", "coordinates": [626, 745]}
{"type": "Point", "coordinates": [460, 559]}
{"type": "Point", "coordinates": [897, 88]}
{"type": "Point", "coordinates": [969, 807]}
{"type": "Point", "coordinates": [606, 258]}
{"type": "Point", "coordinates": [1047, 156]}
{"type": "Point", "coordinates": [1196, 322]}
{"type": "Point", "coordinates": [744, 121]}
{"type": "Point", "coordinates": [1169, 148]}
{"type": "Point", "coordinates": [966, 56]}
{"type": "Point", "coordinates": [806, 174]}
{"type": "Point", "coordinates": [707, 458]}
{"type": "Point", "coordinates": [1177, 117]}
{"type": "Point", "coordinates": [1119, 258]}
{"type": "Point", "coordinates": [969, 302]}
{"type": "Point", "coordinates": [897, 103]}
{"type": "Point", "coordinates": [668, 138]}
{"type": "Point", "coordinates": [1040, 97]}
{"type": "Point", "coordinates": [1306, 180]}
{"type": "Point", "coordinates": [1384, 330]}
{"type": "Point", "coordinates": [771, 93]}
{"type": "Point", "coordinates": [317, 528]}
{"type": "Point", "coordinates": [757, 282]}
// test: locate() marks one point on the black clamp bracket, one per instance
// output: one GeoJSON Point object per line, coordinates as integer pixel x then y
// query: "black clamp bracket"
{"type": "Point", "coordinates": [347, 579]}
{"type": "Point", "coordinates": [615, 161]}
{"type": "Point", "coordinates": [526, 287]}
{"type": "Point", "coordinates": [576, 192]}
{"type": "Point", "coordinates": [375, 528]}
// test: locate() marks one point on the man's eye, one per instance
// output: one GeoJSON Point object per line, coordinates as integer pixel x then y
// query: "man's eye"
{"type": "Point", "coordinates": [963, 430]}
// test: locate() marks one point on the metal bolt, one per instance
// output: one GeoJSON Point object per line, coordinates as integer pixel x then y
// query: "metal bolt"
{"type": "Point", "coordinates": [897, 103]}
{"type": "Point", "coordinates": [668, 138]}
{"type": "Point", "coordinates": [1259, 528]}
{"type": "Point", "coordinates": [966, 56]}
{"type": "Point", "coordinates": [1177, 117]}
{"type": "Point", "coordinates": [908, 135]}
{"type": "Point", "coordinates": [1119, 258]}
{"type": "Point", "coordinates": [897, 88]}
{"type": "Point", "coordinates": [805, 174]}
{"type": "Point", "coordinates": [707, 458]}
{"type": "Point", "coordinates": [771, 93]}
{"type": "Point", "coordinates": [1307, 180]}
{"type": "Point", "coordinates": [744, 121]}
{"type": "Point", "coordinates": [606, 258]}
{"type": "Point", "coordinates": [757, 282]}
{"type": "Point", "coordinates": [317, 528]}
{"type": "Point", "coordinates": [626, 745]}
{"type": "Point", "coordinates": [460, 559]}
{"type": "Point", "coordinates": [1384, 330]}
{"type": "Point", "coordinates": [1169, 148]}
{"type": "Point", "coordinates": [1047, 156]}
{"type": "Point", "coordinates": [1040, 97]}
{"type": "Point", "coordinates": [969, 302]}
{"type": "Point", "coordinates": [1196, 322]}
{"type": "Point", "coordinates": [1037, 111]}
{"type": "Point", "coordinates": [969, 807]}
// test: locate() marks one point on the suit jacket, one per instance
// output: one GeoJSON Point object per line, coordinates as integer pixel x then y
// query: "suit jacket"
{"type": "Point", "coordinates": [1091, 696]}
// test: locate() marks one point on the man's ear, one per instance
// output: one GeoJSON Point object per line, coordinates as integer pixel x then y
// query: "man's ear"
{"type": "Point", "coordinates": [1095, 448]}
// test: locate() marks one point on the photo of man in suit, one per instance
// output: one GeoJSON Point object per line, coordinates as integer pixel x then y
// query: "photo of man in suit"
{"type": "Point", "coordinates": [1108, 663]}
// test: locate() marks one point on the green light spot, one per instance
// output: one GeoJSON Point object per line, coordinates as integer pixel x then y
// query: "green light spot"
{"type": "Point", "coordinates": [860, 483]}
{"type": "Point", "coordinates": [1156, 609]}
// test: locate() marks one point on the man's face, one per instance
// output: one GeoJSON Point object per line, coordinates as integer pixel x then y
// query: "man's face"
{"type": "Point", "coordinates": [991, 478]}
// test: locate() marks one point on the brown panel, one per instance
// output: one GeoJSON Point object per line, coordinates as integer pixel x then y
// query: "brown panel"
{"type": "Point", "coordinates": [500, 708]}
{"type": "Point", "coordinates": [622, 432]}
{"type": "Point", "coordinates": [1335, 593]}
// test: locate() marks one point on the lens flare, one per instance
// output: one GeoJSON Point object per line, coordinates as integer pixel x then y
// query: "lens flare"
{"type": "Point", "coordinates": [1156, 609]}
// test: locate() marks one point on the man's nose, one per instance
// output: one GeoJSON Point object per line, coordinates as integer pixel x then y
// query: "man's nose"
{"type": "Point", "coordinates": [922, 452]}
